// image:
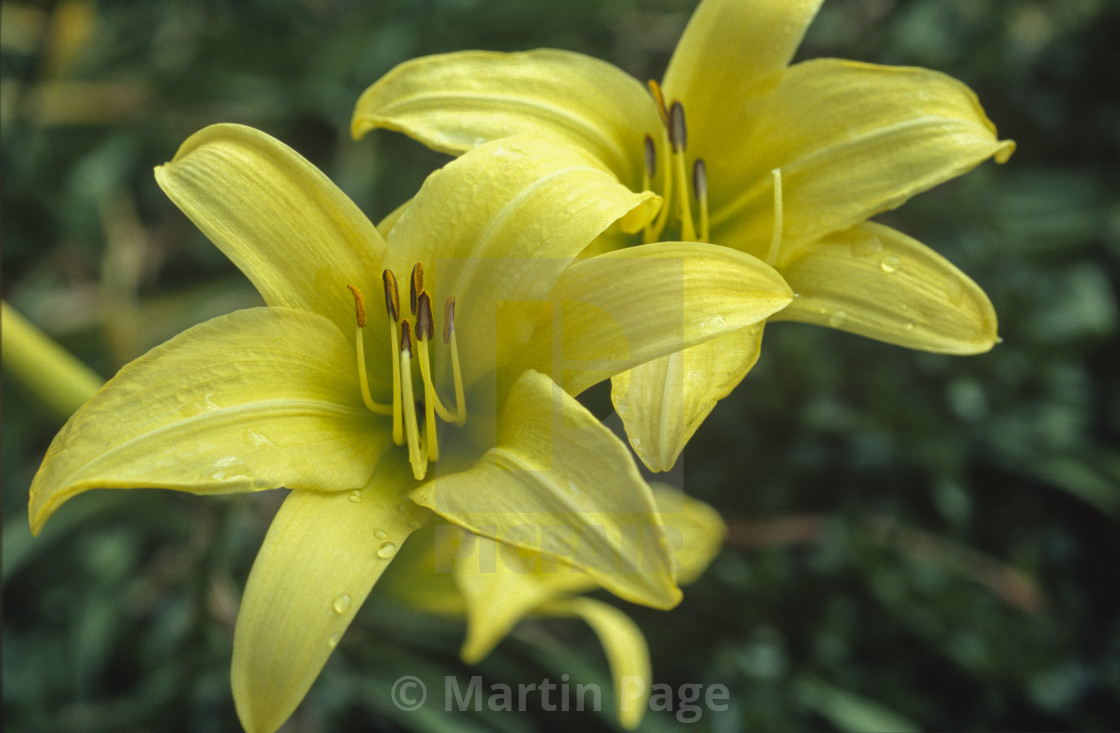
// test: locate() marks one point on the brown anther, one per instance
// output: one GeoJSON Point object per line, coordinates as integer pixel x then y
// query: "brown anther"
{"type": "Point", "coordinates": [406, 337]}
{"type": "Point", "coordinates": [651, 157]}
{"type": "Point", "coordinates": [425, 326]}
{"type": "Point", "coordinates": [700, 179]}
{"type": "Point", "coordinates": [448, 319]}
{"type": "Point", "coordinates": [417, 286]}
{"type": "Point", "coordinates": [392, 302]}
{"type": "Point", "coordinates": [678, 133]}
{"type": "Point", "coordinates": [359, 306]}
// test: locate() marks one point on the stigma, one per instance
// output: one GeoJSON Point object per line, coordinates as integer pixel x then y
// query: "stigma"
{"type": "Point", "coordinates": [409, 338]}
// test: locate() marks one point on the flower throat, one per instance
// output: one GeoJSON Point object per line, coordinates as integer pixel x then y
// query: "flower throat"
{"type": "Point", "coordinates": [408, 342]}
{"type": "Point", "coordinates": [668, 155]}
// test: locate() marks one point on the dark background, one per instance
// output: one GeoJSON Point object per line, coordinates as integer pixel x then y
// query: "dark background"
{"type": "Point", "coordinates": [917, 541]}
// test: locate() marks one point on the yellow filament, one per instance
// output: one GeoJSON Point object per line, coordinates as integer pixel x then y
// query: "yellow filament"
{"type": "Point", "coordinates": [364, 381]}
{"type": "Point", "coordinates": [431, 399]}
{"type": "Point", "coordinates": [653, 232]}
{"type": "Point", "coordinates": [460, 415]}
{"type": "Point", "coordinates": [700, 188]}
{"type": "Point", "coordinates": [776, 232]}
{"type": "Point", "coordinates": [416, 455]}
{"type": "Point", "coordinates": [688, 229]}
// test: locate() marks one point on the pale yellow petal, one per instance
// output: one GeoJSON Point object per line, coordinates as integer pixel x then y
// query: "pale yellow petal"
{"type": "Point", "coordinates": [502, 584]}
{"type": "Point", "coordinates": [454, 102]}
{"type": "Point", "coordinates": [498, 226]}
{"type": "Point", "coordinates": [626, 648]}
{"type": "Point", "coordinates": [851, 140]}
{"type": "Point", "coordinates": [322, 555]}
{"type": "Point", "coordinates": [731, 54]}
{"type": "Point", "coordinates": [664, 401]}
{"type": "Point", "coordinates": [612, 312]}
{"type": "Point", "coordinates": [694, 529]}
{"type": "Point", "coordinates": [879, 283]}
{"type": "Point", "coordinates": [559, 483]}
{"type": "Point", "coordinates": [257, 399]}
{"type": "Point", "coordinates": [296, 236]}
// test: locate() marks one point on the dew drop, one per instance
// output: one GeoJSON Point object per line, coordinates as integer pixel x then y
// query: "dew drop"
{"type": "Point", "coordinates": [355, 496]}
{"type": "Point", "coordinates": [342, 603]}
{"type": "Point", "coordinates": [404, 505]}
{"type": "Point", "coordinates": [911, 324]}
{"type": "Point", "coordinates": [837, 318]}
{"type": "Point", "coordinates": [380, 534]}
{"type": "Point", "coordinates": [387, 550]}
{"type": "Point", "coordinates": [414, 524]}
{"type": "Point", "coordinates": [333, 641]}
{"type": "Point", "coordinates": [890, 264]}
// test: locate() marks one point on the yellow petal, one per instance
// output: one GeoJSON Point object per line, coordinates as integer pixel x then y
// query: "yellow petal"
{"type": "Point", "coordinates": [626, 648]}
{"type": "Point", "coordinates": [502, 584]}
{"type": "Point", "coordinates": [421, 574]}
{"type": "Point", "coordinates": [322, 555]}
{"type": "Point", "coordinates": [498, 226]}
{"type": "Point", "coordinates": [732, 53]}
{"type": "Point", "coordinates": [664, 401]}
{"type": "Point", "coordinates": [877, 282]}
{"type": "Point", "coordinates": [253, 400]}
{"type": "Point", "coordinates": [454, 102]}
{"type": "Point", "coordinates": [559, 483]}
{"type": "Point", "coordinates": [296, 236]}
{"type": "Point", "coordinates": [694, 529]}
{"type": "Point", "coordinates": [615, 311]}
{"type": "Point", "coordinates": [851, 140]}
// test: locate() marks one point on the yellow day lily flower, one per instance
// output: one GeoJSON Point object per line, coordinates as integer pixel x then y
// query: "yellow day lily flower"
{"type": "Point", "coordinates": [495, 586]}
{"type": "Point", "coordinates": [377, 417]}
{"type": "Point", "coordinates": [786, 162]}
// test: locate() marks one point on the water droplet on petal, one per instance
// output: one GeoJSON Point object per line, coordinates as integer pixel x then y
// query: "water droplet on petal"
{"type": "Point", "coordinates": [387, 550]}
{"type": "Point", "coordinates": [342, 603]}
{"type": "Point", "coordinates": [355, 496]}
{"type": "Point", "coordinates": [890, 264]}
{"type": "Point", "coordinates": [414, 524]}
{"type": "Point", "coordinates": [404, 505]}
{"type": "Point", "coordinates": [911, 324]}
{"type": "Point", "coordinates": [837, 318]}
{"type": "Point", "coordinates": [333, 641]}
{"type": "Point", "coordinates": [380, 534]}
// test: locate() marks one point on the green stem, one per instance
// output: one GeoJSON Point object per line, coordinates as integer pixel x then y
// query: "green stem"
{"type": "Point", "coordinates": [54, 375]}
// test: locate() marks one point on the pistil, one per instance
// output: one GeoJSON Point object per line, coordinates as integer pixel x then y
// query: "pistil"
{"type": "Point", "coordinates": [416, 454]}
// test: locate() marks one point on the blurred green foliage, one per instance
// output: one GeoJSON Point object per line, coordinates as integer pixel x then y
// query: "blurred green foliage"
{"type": "Point", "coordinates": [917, 541]}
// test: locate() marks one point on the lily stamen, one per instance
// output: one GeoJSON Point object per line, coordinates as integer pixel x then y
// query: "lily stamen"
{"type": "Point", "coordinates": [776, 232]}
{"type": "Point", "coordinates": [678, 137]}
{"type": "Point", "coordinates": [416, 286]}
{"type": "Point", "coordinates": [700, 189]}
{"type": "Point", "coordinates": [410, 340]}
{"type": "Point", "coordinates": [460, 415]}
{"type": "Point", "coordinates": [363, 380]}
{"type": "Point", "coordinates": [393, 307]}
